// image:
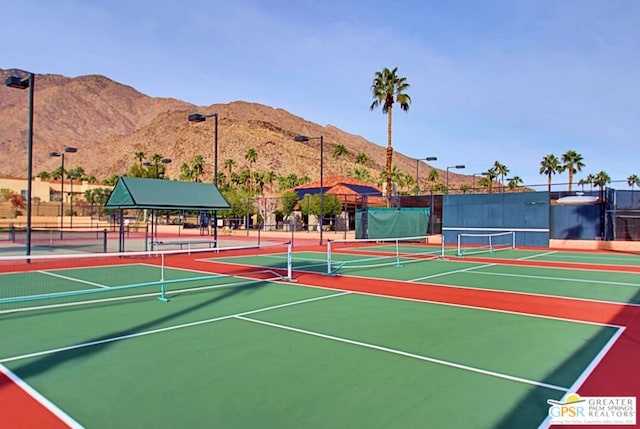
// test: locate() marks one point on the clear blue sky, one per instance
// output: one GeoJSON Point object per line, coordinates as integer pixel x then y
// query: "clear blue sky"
{"type": "Point", "coordinates": [508, 80]}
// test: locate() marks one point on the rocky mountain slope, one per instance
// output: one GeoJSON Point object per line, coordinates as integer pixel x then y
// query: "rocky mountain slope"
{"type": "Point", "coordinates": [109, 122]}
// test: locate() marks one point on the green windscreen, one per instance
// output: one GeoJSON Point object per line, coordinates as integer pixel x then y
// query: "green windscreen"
{"type": "Point", "coordinates": [382, 222]}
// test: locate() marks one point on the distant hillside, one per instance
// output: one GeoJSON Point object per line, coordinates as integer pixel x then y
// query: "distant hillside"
{"type": "Point", "coordinates": [109, 122]}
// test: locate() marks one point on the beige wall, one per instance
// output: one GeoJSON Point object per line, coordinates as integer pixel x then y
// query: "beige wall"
{"type": "Point", "coordinates": [42, 189]}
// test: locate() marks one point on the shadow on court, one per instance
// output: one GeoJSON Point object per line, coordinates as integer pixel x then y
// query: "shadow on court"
{"type": "Point", "coordinates": [536, 401]}
{"type": "Point", "coordinates": [47, 362]}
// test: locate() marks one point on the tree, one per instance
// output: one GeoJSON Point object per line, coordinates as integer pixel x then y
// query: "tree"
{"type": "Point", "coordinates": [197, 167]}
{"type": "Point", "coordinates": [501, 170]}
{"type": "Point", "coordinates": [44, 175]}
{"type": "Point", "coordinates": [251, 156]}
{"type": "Point", "coordinates": [289, 202]}
{"type": "Point", "coordinates": [360, 173]}
{"type": "Point", "coordinates": [139, 156]}
{"type": "Point", "coordinates": [186, 173]}
{"type": "Point", "coordinates": [549, 165]}
{"type": "Point", "coordinates": [18, 201]}
{"type": "Point", "coordinates": [572, 162]}
{"type": "Point", "coordinates": [485, 182]}
{"type": "Point", "coordinates": [633, 180]}
{"type": "Point", "coordinates": [229, 164]}
{"type": "Point", "coordinates": [362, 158]}
{"type": "Point", "coordinates": [388, 88]}
{"type": "Point", "coordinates": [340, 150]}
{"type": "Point", "coordinates": [465, 188]}
{"type": "Point", "coordinates": [601, 180]}
{"type": "Point", "coordinates": [492, 174]}
{"type": "Point", "coordinates": [514, 183]}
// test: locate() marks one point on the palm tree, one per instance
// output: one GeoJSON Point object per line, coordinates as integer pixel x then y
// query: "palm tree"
{"type": "Point", "coordinates": [514, 182]}
{"type": "Point", "coordinates": [601, 179]}
{"type": "Point", "coordinates": [197, 167]}
{"type": "Point", "coordinates": [340, 150]}
{"type": "Point", "coordinates": [387, 88]}
{"type": "Point", "coordinates": [360, 173]}
{"type": "Point", "coordinates": [140, 156]}
{"type": "Point", "coordinates": [270, 177]}
{"type": "Point", "coordinates": [251, 155]}
{"type": "Point", "coordinates": [229, 163]}
{"type": "Point", "coordinates": [362, 158]}
{"type": "Point", "coordinates": [485, 182]}
{"type": "Point", "coordinates": [186, 173]}
{"type": "Point", "coordinates": [491, 175]}
{"type": "Point", "coordinates": [583, 182]}
{"type": "Point", "coordinates": [501, 170]}
{"type": "Point", "coordinates": [633, 180]}
{"type": "Point", "coordinates": [572, 161]}
{"type": "Point", "coordinates": [549, 165]}
{"type": "Point", "coordinates": [433, 175]}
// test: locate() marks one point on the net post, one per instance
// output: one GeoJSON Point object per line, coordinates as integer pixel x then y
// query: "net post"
{"type": "Point", "coordinates": [490, 243]}
{"type": "Point", "coordinates": [104, 240]}
{"type": "Point", "coordinates": [459, 244]}
{"type": "Point", "coordinates": [289, 277]}
{"type": "Point", "coordinates": [328, 257]}
{"type": "Point", "coordinates": [398, 264]}
{"type": "Point", "coordinates": [162, 296]}
{"type": "Point", "coordinates": [442, 245]}
{"type": "Point", "coordinates": [513, 242]}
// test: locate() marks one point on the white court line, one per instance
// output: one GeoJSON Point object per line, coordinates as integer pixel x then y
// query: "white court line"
{"type": "Point", "coordinates": [561, 279]}
{"type": "Point", "coordinates": [587, 371]}
{"type": "Point", "coordinates": [537, 255]}
{"type": "Point", "coordinates": [167, 329]}
{"type": "Point", "coordinates": [407, 354]}
{"type": "Point", "coordinates": [451, 272]}
{"type": "Point", "coordinates": [48, 273]}
{"type": "Point", "coordinates": [39, 398]}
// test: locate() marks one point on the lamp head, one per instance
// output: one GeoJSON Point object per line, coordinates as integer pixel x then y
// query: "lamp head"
{"type": "Point", "coordinates": [16, 82]}
{"type": "Point", "coordinates": [301, 138]}
{"type": "Point", "coordinates": [70, 149]}
{"type": "Point", "coordinates": [54, 154]}
{"type": "Point", "coordinates": [197, 117]}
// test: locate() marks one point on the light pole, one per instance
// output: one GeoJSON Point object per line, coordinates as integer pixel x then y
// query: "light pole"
{"type": "Point", "coordinates": [60, 154]}
{"type": "Point", "coordinates": [306, 139]}
{"type": "Point", "coordinates": [71, 177]}
{"type": "Point", "coordinates": [459, 166]}
{"type": "Point", "coordinates": [153, 213]}
{"type": "Point", "coordinates": [196, 117]}
{"type": "Point", "coordinates": [474, 179]}
{"type": "Point", "coordinates": [24, 83]}
{"type": "Point", "coordinates": [429, 158]}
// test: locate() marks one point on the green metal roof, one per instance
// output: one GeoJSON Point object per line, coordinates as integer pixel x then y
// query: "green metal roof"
{"type": "Point", "coordinates": [137, 193]}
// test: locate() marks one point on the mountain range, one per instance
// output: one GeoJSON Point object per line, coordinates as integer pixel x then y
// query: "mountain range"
{"type": "Point", "coordinates": [109, 122]}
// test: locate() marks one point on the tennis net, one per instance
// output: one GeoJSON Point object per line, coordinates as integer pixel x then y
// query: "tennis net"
{"type": "Point", "coordinates": [472, 243]}
{"type": "Point", "coordinates": [370, 253]}
{"type": "Point", "coordinates": [88, 240]}
{"type": "Point", "coordinates": [44, 281]}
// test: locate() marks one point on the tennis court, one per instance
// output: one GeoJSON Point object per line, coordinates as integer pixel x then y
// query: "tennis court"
{"type": "Point", "coordinates": [379, 336]}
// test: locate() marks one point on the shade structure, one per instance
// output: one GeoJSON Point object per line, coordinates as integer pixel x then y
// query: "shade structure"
{"type": "Point", "coordinates": [139, 193]}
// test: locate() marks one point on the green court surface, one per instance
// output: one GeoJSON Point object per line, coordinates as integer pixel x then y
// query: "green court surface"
{"type": "Point", "coordinates": [285, 355]}
{"type": "Point", "coordinates": [609, 286]}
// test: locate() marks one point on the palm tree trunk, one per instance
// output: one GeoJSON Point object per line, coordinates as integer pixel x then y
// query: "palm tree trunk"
{"type": "Point", "coordinates": [389, 156]}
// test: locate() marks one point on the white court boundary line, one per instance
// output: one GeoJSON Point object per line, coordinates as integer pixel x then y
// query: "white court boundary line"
{"type": "Point", "coordinates": [537, 255]}
{"type": "Point", "coordinates": [39, 398]}
{"type": "Point", "coordinates": [562, 279]}
{"type": "Point", "coordinates": [407, 354]}
{"type": "Point", "coordinates": [241, 316]}
{"type": "Point", "coordinates": [587, 371]}
{"type": "Point", "coordinates": [166, 329]}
